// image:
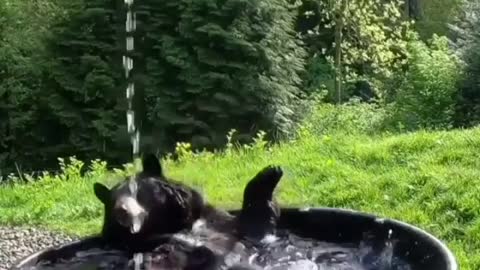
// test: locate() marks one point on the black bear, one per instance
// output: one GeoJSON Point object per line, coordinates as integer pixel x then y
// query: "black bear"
{"type": "Point", "coordinates": [144, 211]}
{"type": "Point", "coordinates": [147, 204]}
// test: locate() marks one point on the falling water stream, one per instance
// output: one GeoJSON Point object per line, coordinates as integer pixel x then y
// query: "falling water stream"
{"type": "Point", "coordinates": [130, 26]}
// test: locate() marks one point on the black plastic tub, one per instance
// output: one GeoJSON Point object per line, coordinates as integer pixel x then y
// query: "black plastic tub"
{"type": "Point", "coordinates": [420, 249]}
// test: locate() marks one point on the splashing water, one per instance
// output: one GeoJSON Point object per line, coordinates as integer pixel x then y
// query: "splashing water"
{"type": "Point", "coordinates": [288, 252]}
{"type": "Point", "coordinates": [130, 26]}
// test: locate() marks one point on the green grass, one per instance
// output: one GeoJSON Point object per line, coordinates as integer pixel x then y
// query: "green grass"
{"type": "Point", "coordinates": [429, 179]}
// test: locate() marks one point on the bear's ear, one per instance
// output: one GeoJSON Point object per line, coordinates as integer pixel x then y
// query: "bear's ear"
{"type": "Point", "coordinates": [151, 166]}
{"type": "Point", "coordinates": [102, 192]}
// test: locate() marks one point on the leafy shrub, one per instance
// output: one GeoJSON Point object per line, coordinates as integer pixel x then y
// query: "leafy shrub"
{"type": "Point", "coordinates": [352, 117]}
{"type": "Point", "coordinates": [426, 94]}
{"type": "Point", "coordinates": [320, 76]}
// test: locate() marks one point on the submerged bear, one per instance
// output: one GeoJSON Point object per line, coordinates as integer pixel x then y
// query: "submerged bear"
{"type": "Point", "coordinates": [149, 211]}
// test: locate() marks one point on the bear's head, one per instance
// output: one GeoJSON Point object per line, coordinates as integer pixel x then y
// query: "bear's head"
{"type": "Point", "coordinates": [129, 203]}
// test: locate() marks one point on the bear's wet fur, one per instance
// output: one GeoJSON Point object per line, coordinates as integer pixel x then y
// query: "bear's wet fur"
{"type": "Point", "coordinates": [260, 211]}
{"type": "Point", "coordinates": [257, 218]}
{"type": "Point", "coordinates": [167, 207]}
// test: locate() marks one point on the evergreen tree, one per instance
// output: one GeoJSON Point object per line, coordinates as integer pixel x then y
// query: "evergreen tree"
{"type": "Point", "coordinates": [24, 135]}
{"type": "Point", "coordinates": [214, 65]}
{"type": "Point", "coordinates": [4, 95]}
{"type": "Point", "coordinates": [466, 37]}
{"type": "Point", "coordinates": [84, 84]}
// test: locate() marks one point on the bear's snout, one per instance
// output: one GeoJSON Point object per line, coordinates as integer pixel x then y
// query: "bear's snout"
{"type": "Point", "coordinates": [129, 213]}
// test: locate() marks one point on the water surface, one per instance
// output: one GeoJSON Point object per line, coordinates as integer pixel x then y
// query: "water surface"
{"type": "Point", "coordinates": [284, 252]}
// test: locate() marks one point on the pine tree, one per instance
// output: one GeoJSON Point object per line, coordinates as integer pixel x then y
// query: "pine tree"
{"type": "Point", "coordinates": [466, 40]}
{"type": "Point", "coordinates": [214, 65]}
{"type": "Point", "coordinates": [85, 84]}
{"type": "Point", "coordinates": [24, 127]}
{"type": "Point", "coordinates": [4, 93]}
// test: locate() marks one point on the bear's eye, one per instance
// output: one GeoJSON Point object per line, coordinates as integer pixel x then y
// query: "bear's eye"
{"type": "Point", "coordinates": [121, 214]}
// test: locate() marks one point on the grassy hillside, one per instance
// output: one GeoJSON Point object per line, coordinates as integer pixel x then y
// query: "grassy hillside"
{"type": "Point", "coordinates": [430, 179]}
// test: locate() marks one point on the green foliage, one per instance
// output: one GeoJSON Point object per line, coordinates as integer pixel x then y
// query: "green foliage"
{"type": "Point", "coordinates": [83, 86]}
{"type": "Point", "coordinates": [464, 28]}
{"type": "Point", "coordinates": [217, 65]}
{"type": "Point", "coordinates": [467, 43]}
{"type": "Point", "coordinates": [352, 117]}
{"type": "Point", "coordinates": [58, 90]}
{"type": "Point", "coordinates": [435, 16]}
{"type": "Point", "coordinates": [429, 179]}
{"type": "Point", "coordinates": [4, 127]}
{"type": "Point", "coordinates": [426, 95]}
{"type": "Point", "coordinates": [373, 46]}
{"type": "Point", "coordinates": [320, 76]}
{"type": "Point", "coordinates": [22, 125]}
